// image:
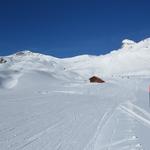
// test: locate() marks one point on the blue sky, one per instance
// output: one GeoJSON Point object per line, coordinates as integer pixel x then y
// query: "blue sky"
{"type": "Point", "coordinates": [65, 28]}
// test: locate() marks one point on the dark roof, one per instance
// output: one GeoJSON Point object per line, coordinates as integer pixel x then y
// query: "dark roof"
{"type": "Point", "coordinates": [96, 79]}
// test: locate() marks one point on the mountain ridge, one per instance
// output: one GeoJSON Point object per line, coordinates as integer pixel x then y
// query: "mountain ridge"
{"type": "Point", "coordinates": [133, 59]}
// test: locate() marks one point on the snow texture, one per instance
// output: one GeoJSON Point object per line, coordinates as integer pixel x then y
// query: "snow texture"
{"type": "Point", "coordinates": [47, 103]}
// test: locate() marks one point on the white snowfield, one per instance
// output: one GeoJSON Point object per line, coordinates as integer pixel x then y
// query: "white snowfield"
{"type": "Point", "coordinates": [47, 103]}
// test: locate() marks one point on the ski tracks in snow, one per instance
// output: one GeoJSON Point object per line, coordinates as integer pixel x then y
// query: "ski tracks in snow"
{"type": "Point", "coordinates": [109, 129]}
{"type": "Point", "coordinates": [137, 113]}
{"type": "Point", "coordinates": [100, 126]}
{"type": "Point", "coordinates": [38, 135]}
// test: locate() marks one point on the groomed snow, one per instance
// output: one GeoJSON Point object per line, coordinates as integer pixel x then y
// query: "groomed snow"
{"type": "Point", "coordinates": [47, 103]}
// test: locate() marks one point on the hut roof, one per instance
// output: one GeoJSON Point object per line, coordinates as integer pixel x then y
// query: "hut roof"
{"type": "Point", "coordinates": [96, 79]}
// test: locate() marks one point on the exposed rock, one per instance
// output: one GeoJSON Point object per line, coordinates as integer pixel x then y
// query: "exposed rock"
{"type": "Point", "coordinates": [22, 53]}
{"type": "Point", "coordinates": [2, 60]}
{"type": "Point", "coordinates": [127, 43]}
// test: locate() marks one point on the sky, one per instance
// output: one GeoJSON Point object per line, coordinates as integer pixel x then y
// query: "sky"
{"type": "Point", "coordinates": [66, 28]}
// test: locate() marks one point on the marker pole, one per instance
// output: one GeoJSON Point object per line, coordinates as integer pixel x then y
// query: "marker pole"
{"type": "Point", "coordinates": [149, 94]}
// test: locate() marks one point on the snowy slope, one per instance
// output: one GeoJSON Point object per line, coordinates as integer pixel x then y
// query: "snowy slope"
{"type": "Point", "coordinates": [47, 103]}
{"type": "Point", "coordinates": [131, 58]}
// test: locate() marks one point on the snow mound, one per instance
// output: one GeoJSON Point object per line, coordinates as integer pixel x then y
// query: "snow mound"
{"type": "Point", "coordinates": [8, 83]}
{"type": "Point", "coordinates": [9, 79]}
{"type": "Point", "coordinates": [127, 43]}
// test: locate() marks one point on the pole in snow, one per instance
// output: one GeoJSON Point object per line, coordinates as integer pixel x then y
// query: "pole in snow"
{"type": "Point", "coordinates": [149, 94]}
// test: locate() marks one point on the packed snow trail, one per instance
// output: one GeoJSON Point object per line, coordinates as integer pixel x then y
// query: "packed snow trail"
{"type": "Point", "coordinates": [90, 117]}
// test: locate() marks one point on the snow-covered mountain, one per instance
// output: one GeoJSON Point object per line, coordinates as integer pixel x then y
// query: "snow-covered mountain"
{"type": "Point", "coordinates": [47, 103]}
{"type": "Point", "coordinates": [132, 59]}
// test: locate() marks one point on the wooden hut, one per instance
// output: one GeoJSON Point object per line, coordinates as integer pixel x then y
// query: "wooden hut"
{"type": "Point", "coordinates": [96, 79]}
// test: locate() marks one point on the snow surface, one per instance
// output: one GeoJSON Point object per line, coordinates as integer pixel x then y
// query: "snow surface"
{"type": "Point", "coordinates": [47, 103]}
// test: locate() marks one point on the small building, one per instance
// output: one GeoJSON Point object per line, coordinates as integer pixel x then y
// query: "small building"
{"type": "Point", "coordinates": [96, 79]}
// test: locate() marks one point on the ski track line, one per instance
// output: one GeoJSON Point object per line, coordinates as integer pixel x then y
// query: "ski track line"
{"type": "Point", "coordinates": [5, 130]}
{"type": "Point", "coordinates": [139, 118]}
{"type": "Point", "coordinates": [38, 136]}
{"type": "Point", "coordinates": [117, 143]}
{"type": "Point", "coordinates": [68, 92]}
{"type": "Point", "coordinates": [60, 146]}
{"type": "Point", "coordinates": [103, 121]}
{"type": "Point", "coordinates": [19, 125]}
{"type": "Point", "coordinates": [42, 96]}
{"type": "Point", "coordinates": [30, 118]}
{"type": "Point", "coordinates": [111, 137]}
{"type": "Point", "coordinates": [30, 98]}
{"type": "Point", "coordinates": [147, 114]}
